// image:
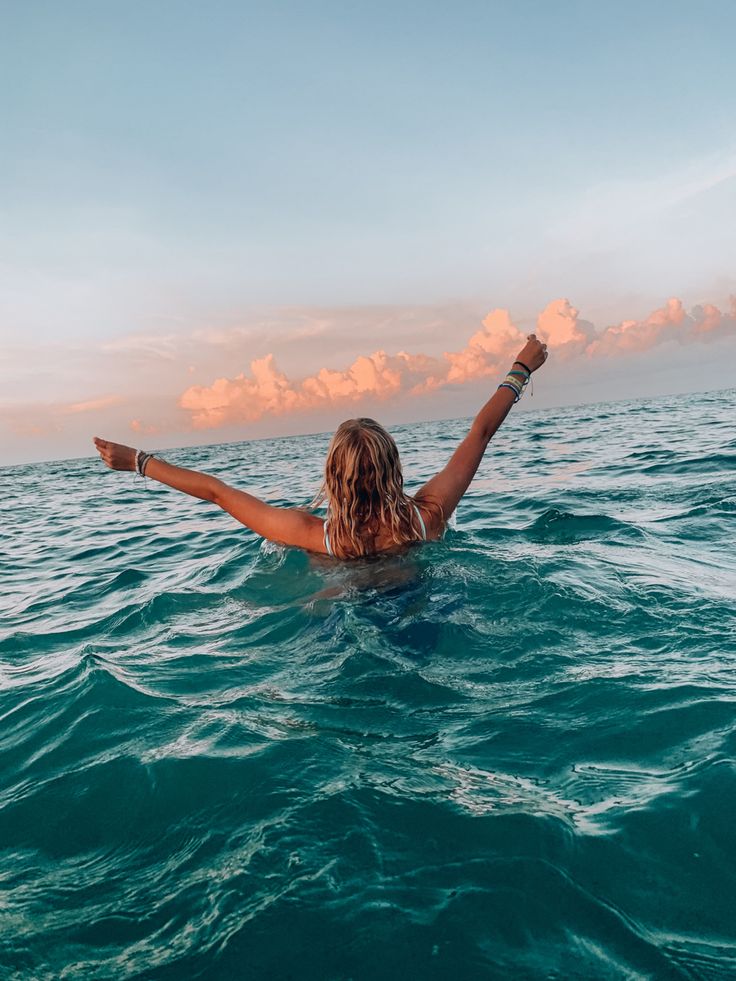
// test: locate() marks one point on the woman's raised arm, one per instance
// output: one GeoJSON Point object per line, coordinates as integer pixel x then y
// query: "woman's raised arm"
{"type": "Point", "coordinates": [289, 526]}
{"type": "Point", "coordinates": [448, 486]}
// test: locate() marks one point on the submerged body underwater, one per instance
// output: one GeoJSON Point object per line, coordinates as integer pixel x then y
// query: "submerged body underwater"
{"type": "Point", "coordinates": [506, 753]}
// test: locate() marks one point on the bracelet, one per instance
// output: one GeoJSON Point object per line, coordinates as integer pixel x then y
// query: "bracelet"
{"type": "Point", "coordinates": [516, 381]}
{"type": "Point", "coordinates": [523, 366]}
{"type": "Point", "coordinates": [514, 389]}
{"type": "Point", "coordinates": [141, 462]}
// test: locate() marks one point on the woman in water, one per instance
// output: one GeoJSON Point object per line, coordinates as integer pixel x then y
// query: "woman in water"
{"type": "Point", "coordinates": [367, 509]}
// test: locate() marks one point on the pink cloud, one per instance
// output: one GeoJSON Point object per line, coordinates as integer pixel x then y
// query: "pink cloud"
{"type": "Point", "coordinates": [147, 429]}
{"type": "Point", "coordinates": [558, 325]}
{"type": "Point", "coordinates": [640, 335]}
{"type": "Point", "coordinates": [668, 323]}
{"type": "Point", "coordinates": [486, 350]}
{"type": "Point", "coordinates": [92, 405]}
{"type": "Point", "coordinates": [709, 320]}
{"type": "Point", "coordinates": [267, 390]}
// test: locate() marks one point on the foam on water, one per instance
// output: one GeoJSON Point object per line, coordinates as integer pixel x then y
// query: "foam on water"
{"type": "Point", "coordinates": [509, 753]}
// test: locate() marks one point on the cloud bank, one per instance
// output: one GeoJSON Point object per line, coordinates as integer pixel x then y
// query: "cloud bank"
{"type": "Point", "coordinates": [267, 390]}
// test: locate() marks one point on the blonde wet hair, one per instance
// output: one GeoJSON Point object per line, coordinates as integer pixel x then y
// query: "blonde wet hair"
{"type": "Point", "coordinates": [364, 489]}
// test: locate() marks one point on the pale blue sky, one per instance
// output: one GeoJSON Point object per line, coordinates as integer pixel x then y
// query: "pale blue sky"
{"type": "Point", "coordinates": [170, 164]}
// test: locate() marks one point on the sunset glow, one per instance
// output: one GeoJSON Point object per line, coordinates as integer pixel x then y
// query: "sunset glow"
{"type": "Point", "coordinates": [237, 226]}
{"type": "Point", "coordinates": [267, 390]}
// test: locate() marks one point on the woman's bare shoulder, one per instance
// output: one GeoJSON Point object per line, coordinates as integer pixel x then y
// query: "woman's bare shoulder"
{"type": "Point", "coordinates": [432, 517]}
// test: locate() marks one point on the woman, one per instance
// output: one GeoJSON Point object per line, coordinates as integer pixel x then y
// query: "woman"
{"type": "Point", "coordinates": [367, 509]}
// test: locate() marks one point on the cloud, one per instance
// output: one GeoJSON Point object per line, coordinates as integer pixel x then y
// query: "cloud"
{"type": "Point", "coordinates": [668, 323]}
{"type": "Point", "coordinates": [267, 390]}
{"type": "Point", "coordinates": [558, 325]}
{"type": "Point", "coordinates": [152, 391]}
{"type": "Point", "coordinates": [484, 352]}
{"type": "Point", "coordinates": [51, 418]}
{"type": "Point", "coordinates": [145, 428]}
{"type": "Point", "coordinates": [142, 348]}
{"type": "Point", "coordinates": [92, 405]}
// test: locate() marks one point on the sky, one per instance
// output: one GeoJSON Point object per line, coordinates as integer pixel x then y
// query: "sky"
{"type": "Point", "coordinates": [230, 220]}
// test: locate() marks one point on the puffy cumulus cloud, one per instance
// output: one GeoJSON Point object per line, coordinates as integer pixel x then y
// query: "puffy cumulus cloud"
{"type": "Point", "coordinates": [668, 323]}
{"type": "Point", "coordinates": [708, 318]}
{"type": "Point", "coordinates": [242, 398]}
{"type": "Point", "coordinates": [708, 321]}
{"type": "Point", "coordinates": [640, 335]}
{"type": "Point", "coordinates": [558, 325]}
{"type": "Point", "coordinates": [267, 390]}
{"type": "Point", "coordinates": [486, 350]}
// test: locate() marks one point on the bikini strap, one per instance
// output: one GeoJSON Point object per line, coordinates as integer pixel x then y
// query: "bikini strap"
{"type": "Point", "coordinates": [327, 539]}
{"type": "Point", "coordinates": [421, 522]}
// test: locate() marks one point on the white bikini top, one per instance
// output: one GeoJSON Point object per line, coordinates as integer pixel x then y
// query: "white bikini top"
{"type": "Point", "coordinates": [421, 524]}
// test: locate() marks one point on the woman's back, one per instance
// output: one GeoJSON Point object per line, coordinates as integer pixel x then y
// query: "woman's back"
{"type": "Point", "coordinates": [382, 540]}
{"type": "Point", "coordinates": [367, 508]}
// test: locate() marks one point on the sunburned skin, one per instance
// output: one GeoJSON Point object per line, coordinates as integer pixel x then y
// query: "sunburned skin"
{"type": "Point", "coordinates": [296, 526]}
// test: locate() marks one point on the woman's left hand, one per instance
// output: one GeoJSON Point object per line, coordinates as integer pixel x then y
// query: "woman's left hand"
{"type": "Point", "coordinates": [534, 353]}
{"type": "Point", "coordinates": [116, 455]}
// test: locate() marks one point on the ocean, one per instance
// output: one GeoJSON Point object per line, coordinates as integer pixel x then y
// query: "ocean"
{"type": "Point", "coordinates": [507, 754]}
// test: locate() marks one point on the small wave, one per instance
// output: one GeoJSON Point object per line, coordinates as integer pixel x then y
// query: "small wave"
{"type": "Point", "coordinates": [707, 463]}
{"type": "Point", "coordinates": [564, 527]}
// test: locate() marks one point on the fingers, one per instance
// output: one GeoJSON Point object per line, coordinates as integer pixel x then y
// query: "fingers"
{"type": "Point", "coordinates": [104, 448]}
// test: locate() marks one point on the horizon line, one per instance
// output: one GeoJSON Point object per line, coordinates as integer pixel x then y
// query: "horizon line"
{"type": "Point", "coordinates": [417, 422]}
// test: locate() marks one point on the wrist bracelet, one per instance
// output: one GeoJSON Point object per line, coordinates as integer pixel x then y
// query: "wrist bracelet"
{"type": "Point", "coordinates": [523, 366]}
{"type": "Point", "coordinates": [517, 380]}
{"type": "Point", "coordinates": [514, 389]}
{"type": "Point", "coordinates": [141, 462]}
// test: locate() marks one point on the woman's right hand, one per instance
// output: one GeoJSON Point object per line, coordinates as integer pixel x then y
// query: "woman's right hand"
{"type": "Point", "coordinates": [534, 353]}
{"type": "Point", "coordinates": [116, 455]}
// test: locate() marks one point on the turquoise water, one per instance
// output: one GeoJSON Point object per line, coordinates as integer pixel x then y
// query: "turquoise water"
{"type": "Point", "coordinates": [506, 754]}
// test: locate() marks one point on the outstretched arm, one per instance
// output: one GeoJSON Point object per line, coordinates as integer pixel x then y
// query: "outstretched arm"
{"type": "Point", "coordinates": [290, 526]}
{"type": "Point", "coordinates": [448, 486]}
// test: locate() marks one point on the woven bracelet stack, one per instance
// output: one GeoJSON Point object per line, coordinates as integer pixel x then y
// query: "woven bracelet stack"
{"type": "Point", "coordinates": [517, 379]}
{"type": "Point", "coordinates": [141, 461]}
